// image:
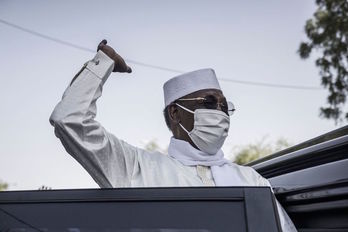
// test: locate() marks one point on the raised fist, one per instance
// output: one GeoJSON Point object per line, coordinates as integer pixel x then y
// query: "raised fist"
{"type": "Point", "coordinates": [120, 64]}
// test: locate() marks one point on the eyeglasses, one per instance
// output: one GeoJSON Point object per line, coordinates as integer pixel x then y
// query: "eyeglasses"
{"type": "Point", "coordinates": [211, 102]}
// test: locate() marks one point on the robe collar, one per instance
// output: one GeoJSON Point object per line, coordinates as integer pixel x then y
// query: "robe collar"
{"type": "Point", "coordinates": [185, 153]}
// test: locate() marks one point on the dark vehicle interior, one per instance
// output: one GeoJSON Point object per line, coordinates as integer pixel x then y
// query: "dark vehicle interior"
{"type": "Point", "coordinates": [194, 209]}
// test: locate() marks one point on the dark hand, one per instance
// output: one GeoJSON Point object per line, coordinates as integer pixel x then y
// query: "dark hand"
{"type": "Point", "coordinates": [120, 64]}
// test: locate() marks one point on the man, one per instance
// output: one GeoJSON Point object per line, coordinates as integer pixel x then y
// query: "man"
{"type": "Point", "coordinates": [196, 112]}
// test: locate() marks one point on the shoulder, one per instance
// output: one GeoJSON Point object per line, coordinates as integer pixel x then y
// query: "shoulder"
{"type": "Point", "coordinates": [153, 156]}
{"type": "Point", "coordinates": [251, 175]}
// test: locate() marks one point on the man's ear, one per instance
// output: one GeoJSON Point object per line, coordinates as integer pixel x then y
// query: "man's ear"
{"type": "Point", "coordinates": [173, 114]}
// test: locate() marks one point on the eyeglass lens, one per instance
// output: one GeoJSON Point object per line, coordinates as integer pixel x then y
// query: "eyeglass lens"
{"type": "Point", "coordinates": [211, 102]}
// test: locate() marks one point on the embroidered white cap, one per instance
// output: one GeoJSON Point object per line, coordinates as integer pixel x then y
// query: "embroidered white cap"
{"type": "Point", "coordinates": [190, 82]}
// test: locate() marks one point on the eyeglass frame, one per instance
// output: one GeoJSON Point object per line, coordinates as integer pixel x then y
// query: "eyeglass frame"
{"type": "Point", "coordinates": [229, 104]}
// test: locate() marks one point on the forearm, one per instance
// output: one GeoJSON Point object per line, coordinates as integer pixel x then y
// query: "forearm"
{"type": "Point", "coordinates": [84, 89]}
{"type": "Point", "coordinates": [107, 159]}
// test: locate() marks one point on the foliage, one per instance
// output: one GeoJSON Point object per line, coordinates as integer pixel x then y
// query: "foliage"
{"type": "Point", "coordinates": [327, 32]}
{"type": "Point", "coordinates": [152, 145]}
{"type": "Point", "coordinates": [3, 186]}
{"type": "Point", "coordinates": [250, 152]}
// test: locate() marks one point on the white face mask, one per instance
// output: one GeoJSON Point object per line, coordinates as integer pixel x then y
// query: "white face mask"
{"type": "Point", "coordinates": [210, 129]}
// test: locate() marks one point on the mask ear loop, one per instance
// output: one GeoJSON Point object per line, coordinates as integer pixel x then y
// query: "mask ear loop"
{"type": "Point", "coordinates": [184, 108]}
{"type": "Point", "coordinates": [190, 111]}
{"type": "Point", "coordinates": [183, 128]}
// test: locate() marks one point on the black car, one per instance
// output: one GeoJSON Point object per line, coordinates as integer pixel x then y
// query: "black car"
{"type": "Point", "coordinates": [194, 209]}
{"type": "Point", "coordinates": [310, 180]}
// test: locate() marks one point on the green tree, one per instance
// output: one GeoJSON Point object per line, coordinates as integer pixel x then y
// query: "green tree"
{"type": "Point", "coordinates": [152, 145]}
{"type": "Point", "coordinates": [327, 33]}
{"type": "Point", "coordinates": [250, 152]}
{"type": "Point", "coordinates": [3, 186]}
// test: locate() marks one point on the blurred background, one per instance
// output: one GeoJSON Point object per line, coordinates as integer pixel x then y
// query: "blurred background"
{"type": "Point", "coordinates": [254, 47]}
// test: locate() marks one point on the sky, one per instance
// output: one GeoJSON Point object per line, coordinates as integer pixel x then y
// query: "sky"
{"type": "Point", "coordinates": [241, 40]}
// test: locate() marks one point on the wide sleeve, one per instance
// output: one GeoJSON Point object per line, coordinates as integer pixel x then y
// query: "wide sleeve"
{"type": "Point", "coordinates": [107, 159]}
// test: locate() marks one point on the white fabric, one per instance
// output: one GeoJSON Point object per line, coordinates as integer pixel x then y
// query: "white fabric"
{"type": "Point", "coordinates": [114, 163]}
{"type": "Point", "coordinates": [210, 129]}
{"type": "Point", "coordinates": [190, 82]}
{"type": "Point", "coordinates": [203, 173]}
{"type": "Point", "coordinates": [223, 170]}
{"type": "Point", "coordinates": [190, 156]}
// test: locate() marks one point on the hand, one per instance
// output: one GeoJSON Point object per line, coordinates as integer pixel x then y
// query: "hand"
{"type": "Point", "coordinates": [120, 64]}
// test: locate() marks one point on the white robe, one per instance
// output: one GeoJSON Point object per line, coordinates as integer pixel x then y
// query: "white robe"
{"type": "Point", "coordinates": [114, 163]}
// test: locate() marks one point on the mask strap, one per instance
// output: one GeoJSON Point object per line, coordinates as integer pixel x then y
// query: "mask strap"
{"type": "Point", "coordinates": [184, 108]}
{"type": "Point", "coordinates": [183, 128]}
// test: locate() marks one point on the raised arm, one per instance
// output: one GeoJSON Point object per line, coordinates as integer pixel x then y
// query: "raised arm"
{"type": "Point", "coordinates": [108, 160]}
